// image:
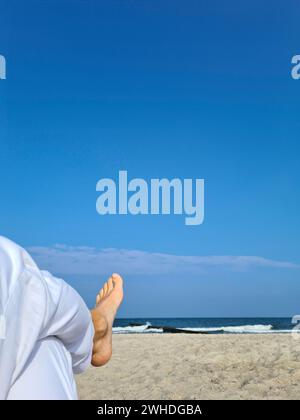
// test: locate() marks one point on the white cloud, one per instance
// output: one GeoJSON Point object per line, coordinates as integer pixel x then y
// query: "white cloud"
{"type": "Point", "coordinates": [63, 259]}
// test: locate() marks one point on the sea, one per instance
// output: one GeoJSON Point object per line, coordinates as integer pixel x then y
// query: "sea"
{"type": "Point", "coordinates": [204, 325]}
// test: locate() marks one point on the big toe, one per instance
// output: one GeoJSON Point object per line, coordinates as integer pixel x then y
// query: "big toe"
{"type": "Point", "coordinates": [117, 280]}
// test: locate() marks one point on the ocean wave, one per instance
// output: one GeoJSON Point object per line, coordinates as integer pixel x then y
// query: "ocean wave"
{"type": "Point", "coordinates": [141, 329]}
{"type": "Point", "coordinates": [240, 329]}
{"type": "Point", "coordinates": [235, 329]}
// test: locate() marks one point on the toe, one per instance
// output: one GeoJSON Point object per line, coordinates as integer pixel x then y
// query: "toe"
{"type": "Point", "coordinates": [101, 294]}
{"type": "Point", "coordinates": [105, 289]}
{"type": "Point", "coordinates": [117, 280]}
{"type": "Point", "coordinates": [110, 285]}
{"type": "Point", "coordinates": [98, 299]}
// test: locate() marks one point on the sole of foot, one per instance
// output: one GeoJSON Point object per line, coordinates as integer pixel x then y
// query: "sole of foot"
{"type": "Point", "coordinates": [108, 302]}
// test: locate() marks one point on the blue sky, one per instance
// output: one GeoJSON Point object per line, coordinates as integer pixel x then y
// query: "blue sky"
{"type": "Point", "coordinates": [191, 89]}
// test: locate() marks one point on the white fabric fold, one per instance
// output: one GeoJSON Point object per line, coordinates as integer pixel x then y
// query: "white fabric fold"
{"type": "Point", "coordinates": [33, 306]}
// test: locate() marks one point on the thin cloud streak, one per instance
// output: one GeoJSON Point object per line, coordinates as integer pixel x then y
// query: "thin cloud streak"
{"type": "Point", "coordinates": [81, 260]}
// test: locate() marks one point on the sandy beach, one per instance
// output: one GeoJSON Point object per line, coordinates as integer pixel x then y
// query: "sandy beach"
{"type": "Point", "coordinates": [168, 366]}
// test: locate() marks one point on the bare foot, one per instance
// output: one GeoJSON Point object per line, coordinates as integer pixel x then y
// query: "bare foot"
{"type": "Point", "coordinates": [107, 303]}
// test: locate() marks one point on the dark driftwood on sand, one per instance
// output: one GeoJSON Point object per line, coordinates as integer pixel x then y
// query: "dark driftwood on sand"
{"type": "Point", "coordinates": [172, 330]}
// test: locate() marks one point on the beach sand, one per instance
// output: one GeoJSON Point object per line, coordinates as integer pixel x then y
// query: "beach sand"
{"type": "Point", "coordinates": [168, 366]}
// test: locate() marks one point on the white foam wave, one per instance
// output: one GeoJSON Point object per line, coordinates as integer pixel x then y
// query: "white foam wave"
{"type": "Point", "coordinates": [235, 329]}
{"type": "Point", "coordinates": [139, 329]}
{"type": "Point", "coordinates": [241, 329]}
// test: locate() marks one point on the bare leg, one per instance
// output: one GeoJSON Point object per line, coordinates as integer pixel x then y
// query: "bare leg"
{"type": "Point", "coordinates": [107, 303]}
